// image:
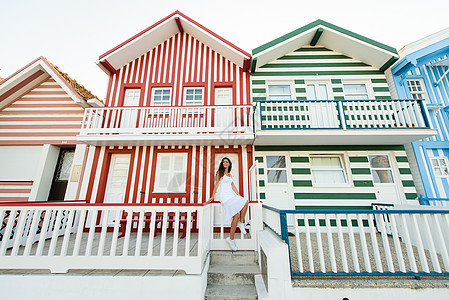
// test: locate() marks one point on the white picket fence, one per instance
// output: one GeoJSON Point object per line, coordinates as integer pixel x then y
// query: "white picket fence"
{"type": "Point", "coordinates": [168, 120]}
{"type": "Point", "coordinates": [412, 241]}
{"type": "Point", "coordinates": [62, 236]}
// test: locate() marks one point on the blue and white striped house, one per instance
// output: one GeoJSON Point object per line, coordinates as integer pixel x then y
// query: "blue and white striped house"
{"type": "Point", "coordinates": [422, 73]}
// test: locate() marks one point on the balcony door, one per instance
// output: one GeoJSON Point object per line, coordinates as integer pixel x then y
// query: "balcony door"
{"type": "Point", "coordinates": [223, 116]}
{"type": "Point", "coordinates": [323, 113]}
{"type": "Point", "coordinates": [129, 113]}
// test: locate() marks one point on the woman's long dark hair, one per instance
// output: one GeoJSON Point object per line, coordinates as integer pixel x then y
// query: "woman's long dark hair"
{"type": "Point", "coordinates": [221, 168]}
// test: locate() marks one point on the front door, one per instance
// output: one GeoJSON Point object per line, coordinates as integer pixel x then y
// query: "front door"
{"type": "Point", "coordinates": [117, 178]}
{"type": "Point", "coordinates": [277, 184]}
{"type": "Point", "coordinates": [223, 116]}
{"type": "Point", "coordinates": [383, 178]}
{"type": "Point", "coordinates": [234, 158]}
{"type": "Point", "coordinates": [61, 175]}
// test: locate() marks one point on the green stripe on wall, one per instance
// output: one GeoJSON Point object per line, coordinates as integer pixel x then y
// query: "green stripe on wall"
{"type": "Point", "coordinates": [348, 196]}
{"type": "Point", "coordinates": [300, 171]}
{"type": "Point", "coordinates": [381, 89]}
{"type": "Point", "coordinates": [259, 91]}
{"type": "Point", "coordinates": [337, 90]}
{"type": "Point", "coordinates": [262, 196]}
{"type": "Point", "coordinates": [315, 56]}
{"type": "Point", "coordinates": [401, 159]}
{"type": "Point", "coordinates": [360, 171]}
{"type": "Point", "coordinates": [378, 80]}
{"type": "Point", "coordinates": [411, 196]}
{"type": "Point", "coordinates": [300, 90]}
{"type": "Point", "coordinates": [261, 183]}
{"type": "Point", "coordinates": [331, 148]}
{"type": "Point", "coordinates": [314, 65]}
{"type": "Point", "coordinates": [363, 183]}
{"type": "Point", "coordinates": [358, 159]}
{"type": "Point", "coordinates": [312, 49]}
{"type": "Point", "coordinates": [302, 182]}
{"type": "Point", "coordinates": [259, 159]}
{"type": "Point", "coordinates": [304, 159]}
{"type": "Point", "coordinates": [336, 80]}
{"type": "Point", "coordinates": [382, 97]}
{"type": "Point", "coordinates": [299, 82]}
{"type": "Point", "coordinates": [315, 73]}
{"type": "Point", "coordinates": [408, 183]}
{"type": "Point", "coordinates": [405, 171]}
{"type": "Point", "coordinates": [261, 171]}
{"type": "Point", "coordinates": [258, 81]}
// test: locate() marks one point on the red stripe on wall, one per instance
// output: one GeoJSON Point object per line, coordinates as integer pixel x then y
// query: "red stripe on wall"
{"type": "Point", "coordinates": [14, 191]}
{"type": "Point", "coordinates": [31, 134]}
{"type": "Point", "coordinates": [92, 175]}
{"type": "Point", "coordinates": [21, 85]}
{"type": "Point", "coordinates": [16, 183]}
{"type": "Point", "coordinates": [137, 177]}
{"type": "Point", "coordinates": [46, 126]}
{"type": "Point", "coordinates": [145, 175]}
{"type": "Point", "coordinates": [14, 199]}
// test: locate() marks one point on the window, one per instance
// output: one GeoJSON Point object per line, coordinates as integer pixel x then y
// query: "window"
{"type": "Point", "coordinates": [416, 88]}
{"type": "Point", "coordinates": [440, 166]}
{"type": "Point", "coordinates": [355, 91]}
{"type": "Point", "coordinates": [171, 173]}
{"type": "Point", "coordinates": [132, 97]}
{"type": "Point", "coordinates": [317, 91]}
{"type": "Point", "coordinates": [223, 96]}
{"type": "Point", "coordinates": [279, 92]}
{"type": "Point", "coordinates": [381, 168]}
{"type": "Point", "coordinates": [276, 169]}
{"type": "Point", "coordinates": [193, 96]}
{"type": "Point", "coordinates": [161, 97]}
{"type": "Point", "coordinates": [327, 170]}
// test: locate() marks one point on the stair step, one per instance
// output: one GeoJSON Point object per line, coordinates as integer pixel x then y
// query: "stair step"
{"type": "Point", "coordinates": [233, 257]}
{"type": "Point", "coordinates": [232, 275]}
{"type": "Point", "coordinates": [231, 292]}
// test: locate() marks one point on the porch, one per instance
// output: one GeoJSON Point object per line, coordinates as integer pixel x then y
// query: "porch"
{"type": "Point", "coordinates": [335, 122]}
{"type": "Point", "coordinates": [166, 125]}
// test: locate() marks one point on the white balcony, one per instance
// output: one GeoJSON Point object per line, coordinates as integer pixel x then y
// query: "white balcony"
{"type": "Point", "coordinates": [341, 122]}
{"type": "Point", "coordinates": [163, 125]}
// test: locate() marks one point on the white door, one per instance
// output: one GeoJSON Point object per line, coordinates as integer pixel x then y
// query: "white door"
{"type": "Point", "coordinates": [129, 113]}
{"type": "Point", "coordinates": [383, 178]}
{"type": "Point", "coordinates": [277, 184]}
{"type": "Point", "coordinates": [234, 157]}
{"type": "Point", "coordinates": [224, 117]}
{"type": "Point", "coordinates": [117, 180]}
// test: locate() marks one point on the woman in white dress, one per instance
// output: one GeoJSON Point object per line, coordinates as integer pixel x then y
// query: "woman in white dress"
{"type": "Point", "coordinates": [235, 206]}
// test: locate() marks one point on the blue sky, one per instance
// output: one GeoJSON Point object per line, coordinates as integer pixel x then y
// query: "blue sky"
{"type": "Point", "coordinates": [72, 34]}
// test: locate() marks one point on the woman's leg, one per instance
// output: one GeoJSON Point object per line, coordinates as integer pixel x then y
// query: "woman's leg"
{"type": "Point", "coordinates": [243, 212]}
{"type": "Point", "coordinates": [235, 220]}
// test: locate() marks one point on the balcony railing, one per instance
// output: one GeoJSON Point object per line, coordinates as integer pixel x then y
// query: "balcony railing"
{"type": "Point", "coordinates": [164, 120]}
{"type": "Point", "coordinates": [60, 237]}
{"type": "Point", "coordinates": [434, 201]}
{"type": "Point", "coordinates": [342, 114]}
{"type": "Point", "coordinates": [382, 242]}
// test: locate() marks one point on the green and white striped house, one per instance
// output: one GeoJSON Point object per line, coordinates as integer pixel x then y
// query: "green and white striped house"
{"type": "Point", "coordinates": [328, 133]}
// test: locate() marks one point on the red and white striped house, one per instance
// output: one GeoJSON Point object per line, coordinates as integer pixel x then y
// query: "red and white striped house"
{"type": "Point", "coordinates": [41, 110]}
{"type": "Point", "coordinates": [178, 101]}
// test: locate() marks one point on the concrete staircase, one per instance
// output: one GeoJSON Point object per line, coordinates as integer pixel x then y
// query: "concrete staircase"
{"type": "Point", "coordinates": [231, 275]}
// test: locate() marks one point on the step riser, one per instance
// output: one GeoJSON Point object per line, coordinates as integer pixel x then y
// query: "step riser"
{"type": "Point", "coordinates": [230, 259]}
{"type": "Point", "coordinates": [230, 279]}
{"type": "Point", "coordinates": [230, 298]}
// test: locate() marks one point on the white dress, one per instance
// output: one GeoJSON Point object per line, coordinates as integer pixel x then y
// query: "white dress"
{"type": "Point", "coordinates": [232, 202]}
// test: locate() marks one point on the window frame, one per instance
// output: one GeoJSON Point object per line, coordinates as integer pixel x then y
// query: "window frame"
{"type": "Point", "coordinates": [438, 158]}
{"type": "Point", "coordinates": [184, 97]}
{"type": "Point", "coordinates": [289, 83]}
{"type": "Point", "coordinates": [328, 84]}
{"type": "Point", "coordinates": [277, 169]}
{"type": "Point", "coordinates": [217, 88]}
{"type": "Point", "coordinates": [373, 169]}
{"type": "Point", "coordinates": [344, 168]}
{"type": "Point", "coordinates": [423, 85]}
{"type": "Point", "coordinates": [161, 89]}
{"type": "Point", "coordinates": [171, 171]}
{"type": "Point", "coordinates": [367, 84]}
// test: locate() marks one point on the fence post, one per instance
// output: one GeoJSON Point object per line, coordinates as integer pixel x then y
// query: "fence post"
{"type": "Point", "coordinates": [341, 113]}
{"type": "Point", "coordinates": [284, 236]}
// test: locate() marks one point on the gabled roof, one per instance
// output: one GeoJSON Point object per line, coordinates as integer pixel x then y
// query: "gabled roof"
{"type": "Point", "coordinates": [411, 53]}
{"type": "Point", "coordinates": [36, 72]}
{"type": "Point", "coordinates": [162, 30]}
{"type": "Point", "coordinates": [330, 36]}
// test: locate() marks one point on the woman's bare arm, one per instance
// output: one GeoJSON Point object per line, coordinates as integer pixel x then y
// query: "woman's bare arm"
{"type": "Point", "coordinates": [217, 182]}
